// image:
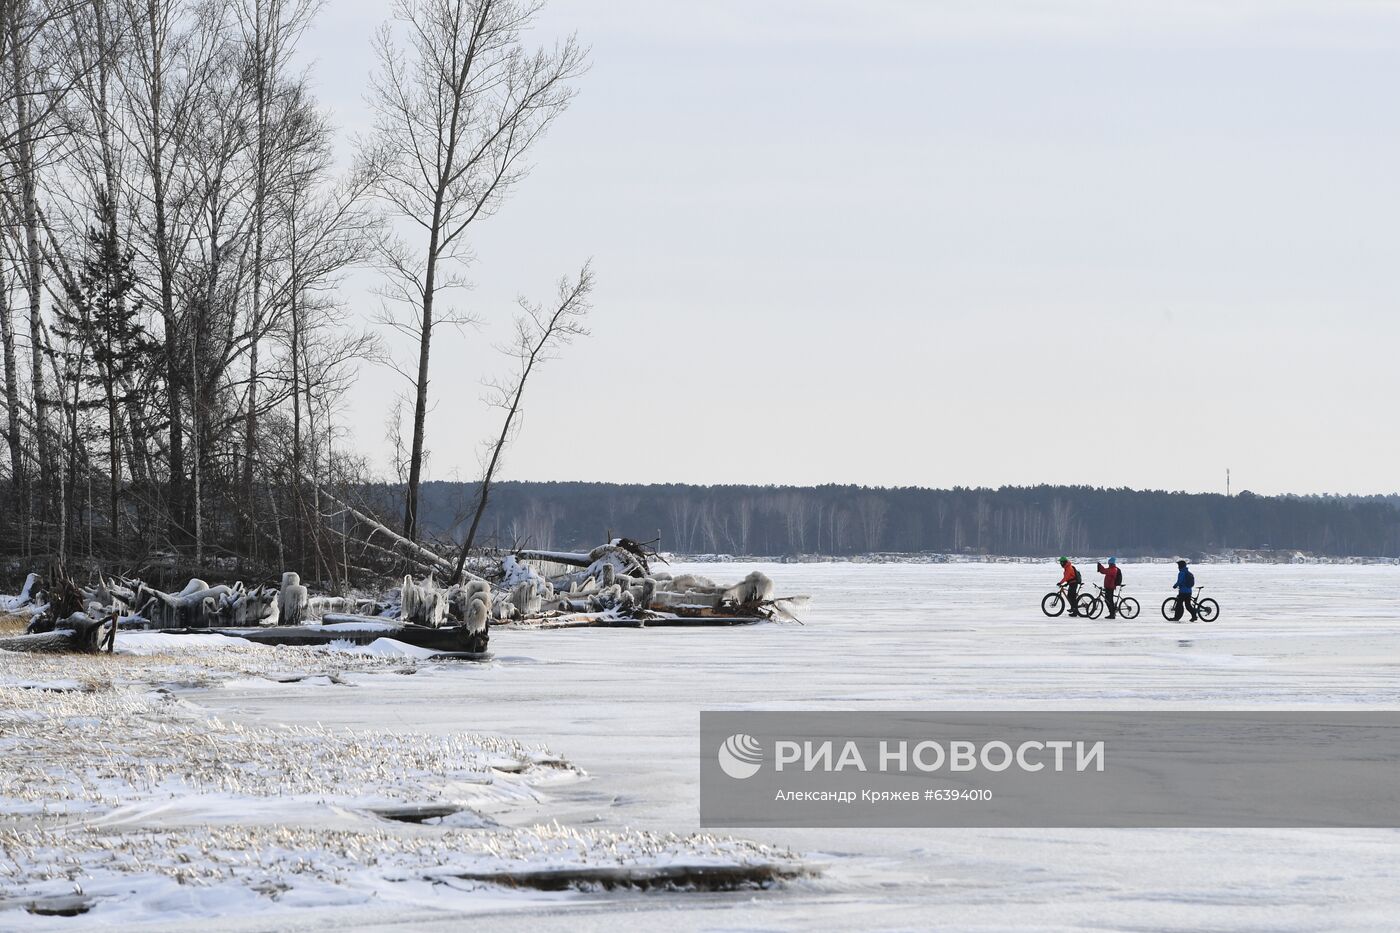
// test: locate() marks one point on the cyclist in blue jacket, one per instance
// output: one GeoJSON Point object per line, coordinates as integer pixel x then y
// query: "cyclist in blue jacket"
{"type": "Point", "coordinates": [1185, 582]}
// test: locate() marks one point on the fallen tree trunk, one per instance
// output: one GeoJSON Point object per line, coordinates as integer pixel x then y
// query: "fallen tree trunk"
{"type": "Point", "coordinates": [77, 633]}
{"type": "Point", "coordinates": [627, 556]}
{"type": "Point", "coordinates": [402, 545]}
{"type": "Point", "coordinates": [567, 558]}
{"type": "Point", "coordinates": [420, 566]}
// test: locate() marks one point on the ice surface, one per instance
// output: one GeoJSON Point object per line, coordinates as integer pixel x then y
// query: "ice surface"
{"type": "Point", "coordinates": [623, 705]}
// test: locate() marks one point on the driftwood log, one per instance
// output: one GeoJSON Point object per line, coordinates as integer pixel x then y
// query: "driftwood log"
{"type": "Point", "coordinates": [77, 633]}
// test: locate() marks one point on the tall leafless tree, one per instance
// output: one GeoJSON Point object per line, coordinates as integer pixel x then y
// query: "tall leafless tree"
{"type": "Point", "coordinates": [24, 24]}
{"type": "Point", "coordinates": [270, 32]}
{"type": "Point", "coordinates": [459, 102]}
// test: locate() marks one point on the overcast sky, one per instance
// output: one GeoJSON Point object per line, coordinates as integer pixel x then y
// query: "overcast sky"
{"type": "Point", "coordinates": [944, 243]}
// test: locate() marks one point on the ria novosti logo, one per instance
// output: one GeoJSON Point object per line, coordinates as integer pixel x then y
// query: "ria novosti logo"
{"type": "Point", "coordinates": [740, 756]}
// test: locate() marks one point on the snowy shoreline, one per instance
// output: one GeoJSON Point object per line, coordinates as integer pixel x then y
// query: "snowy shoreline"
{"type": "Point", "coordinates": [124, 796]}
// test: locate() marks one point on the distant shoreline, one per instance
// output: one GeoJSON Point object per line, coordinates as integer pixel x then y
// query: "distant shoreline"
{"type": "Point", "coordinates": [1252, 557]}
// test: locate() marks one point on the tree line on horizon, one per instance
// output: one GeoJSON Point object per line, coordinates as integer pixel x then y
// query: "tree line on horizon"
{"type": "Point", "coordinates": [849, 520]}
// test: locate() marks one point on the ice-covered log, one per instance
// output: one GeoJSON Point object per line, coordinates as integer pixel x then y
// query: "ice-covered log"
{"type": "Point", "coordinates": [292, 600]}
{"type": "Point", "coordinates": [198, 605]}
{"type": "Point", "coordinates": [478, 614]}
{"type": "Point", "coordinates": [622, 554]}
{"type": "Point", "coordinates": [111, 594]}
{"type": "Point", "coordinates": [257, 607]}
{"type": "Point", "coordinates": [685, 599]}
{"type": "Point", "coordinates": [568, 558]}
{"type": "Point", "coordinates": [422, 603]}
{"type": "Point", "coordinates": [210, 606]}
{"type": "Point", "coordinates": [78, 632]}
{"type": "Point", "coordinates": [461, 598]}
{"type": "Point", "coordinates": [692, 594]}
{"type": "Point", "coordinates": [318, 607]}
{"type": "Point", "coordinates": [526, 601]}
{"type": "Point", "coordinates": [26, 595]}
{"type": "Point", "coordinates": [757, 587]}
{"type": "Point", "coordinates": [194, 586]}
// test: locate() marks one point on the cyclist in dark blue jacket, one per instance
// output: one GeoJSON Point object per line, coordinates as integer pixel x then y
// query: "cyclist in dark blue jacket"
{"type": "Point", "coordinates": [1185, 582]}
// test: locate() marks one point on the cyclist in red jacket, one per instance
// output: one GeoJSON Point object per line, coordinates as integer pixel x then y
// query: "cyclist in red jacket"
{"type": "Point", "coordinates": [1112, 579]}
{"type": "Point", "coordinates": [1071, 581]}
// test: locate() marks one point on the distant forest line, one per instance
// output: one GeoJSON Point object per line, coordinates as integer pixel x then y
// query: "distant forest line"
{"type": "Point", "coordinates": [843, 520]}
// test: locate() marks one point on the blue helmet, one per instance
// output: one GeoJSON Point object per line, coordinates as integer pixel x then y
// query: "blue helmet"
{"type": "Point", "coordinates": [1112, 561]}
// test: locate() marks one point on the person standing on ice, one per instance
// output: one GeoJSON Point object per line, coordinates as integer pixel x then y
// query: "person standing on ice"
{"type": "Point", "coordinates": [1112, 579]}
{"type": "Point", "coordinates": [1185, 582]}
{"type": "Point", "coordinates": [1071, 581]}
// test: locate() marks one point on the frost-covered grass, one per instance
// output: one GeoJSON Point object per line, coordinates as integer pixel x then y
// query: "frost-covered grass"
{"type": "Point", "coordinates": [122, 782]}
{"type": "Point", "coordinates": [105, 748]}
{"type": "Point", "coordinates": [191, 661]}
{"type": "Point", "coordinates": [261, 854]}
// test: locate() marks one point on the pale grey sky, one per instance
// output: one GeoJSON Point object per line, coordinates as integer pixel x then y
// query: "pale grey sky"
{"type": "Point", "coordinates": [946, 243]}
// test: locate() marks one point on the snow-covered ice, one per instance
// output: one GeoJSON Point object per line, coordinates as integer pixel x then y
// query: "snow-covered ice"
{"type": "Point", "coordinates": [622, 706]}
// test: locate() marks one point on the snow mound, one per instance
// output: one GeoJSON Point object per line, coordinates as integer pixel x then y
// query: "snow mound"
{"type": "Point", "coordinates": [384, 648]}
{"type": "Point", "coordinates": [148, 643]}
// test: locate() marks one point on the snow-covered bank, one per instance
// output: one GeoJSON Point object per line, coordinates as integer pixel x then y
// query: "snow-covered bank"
{"type": "Point", "coordinates": [215, 871]}
{"type": "Point", "coordinates": [124, 801]}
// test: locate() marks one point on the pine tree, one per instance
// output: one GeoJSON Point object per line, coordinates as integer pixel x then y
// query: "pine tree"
{"type": "Point", "coordinates": [108, 344]}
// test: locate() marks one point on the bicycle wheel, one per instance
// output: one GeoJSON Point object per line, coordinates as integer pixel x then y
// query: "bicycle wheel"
{"type": "Point", "coordinates": [1169, 608]}
{"type": "Point", "coordinates": [1208, 610]}
{"type": "Point", "coordinates": [1087, 604]}
{"type": "Point", "coordinates": [1094, 609]}
{"type": "Point", "coordinates": [1053, 604]}
{"type": "Point", "coordinates": [1129, 608]}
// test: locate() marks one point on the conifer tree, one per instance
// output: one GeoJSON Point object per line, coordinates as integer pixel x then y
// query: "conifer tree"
{"type": "Point", "coordinates": [107, 342]}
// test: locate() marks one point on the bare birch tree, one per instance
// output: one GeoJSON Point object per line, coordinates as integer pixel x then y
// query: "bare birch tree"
{"type": "Point", "coordinates": [458, 102]}
{"type": "Point", "coordinates": [12, 399]}
{"type": "Point", "coordinates": [24, 24]}
{"type": "Point", "coordinates": [166, 79]}
{"type": "Point", "coordinates": [270, 31]}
